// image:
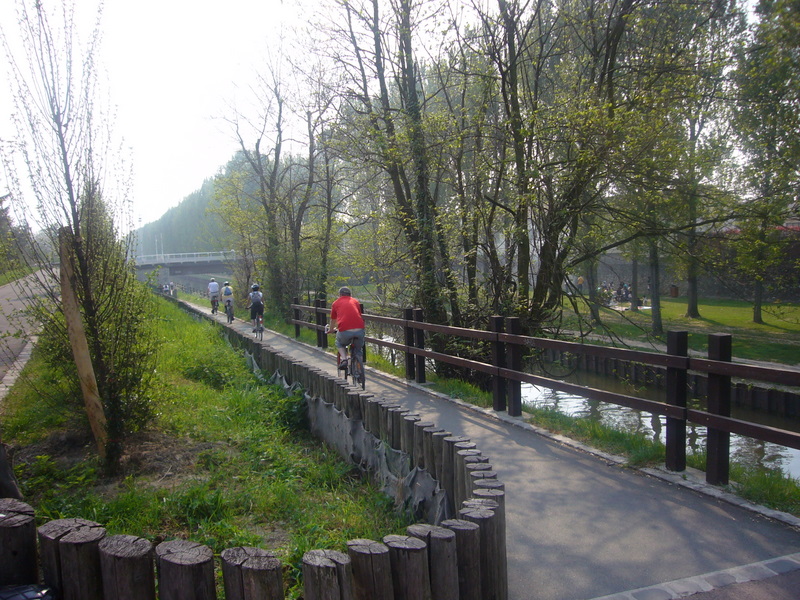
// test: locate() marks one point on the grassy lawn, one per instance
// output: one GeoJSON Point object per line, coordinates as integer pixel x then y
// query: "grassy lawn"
{"type": "Point", "coordinates": [227, 462]}
{"type": "Point", "coordinates": [777, 340]}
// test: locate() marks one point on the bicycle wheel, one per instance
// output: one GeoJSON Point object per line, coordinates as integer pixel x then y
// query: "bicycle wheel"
{"type": "Point", "coordinates": [357, 370]}
{"type": "Point", "coordinates": [229, 312]}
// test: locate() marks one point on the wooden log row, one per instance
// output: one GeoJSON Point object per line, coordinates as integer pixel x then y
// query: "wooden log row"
{"type": "Point", "coordinates": [431, 562]}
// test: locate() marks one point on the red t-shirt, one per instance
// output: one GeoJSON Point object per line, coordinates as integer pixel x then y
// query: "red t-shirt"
{"type": "Point", "coordinates": [347, 312]}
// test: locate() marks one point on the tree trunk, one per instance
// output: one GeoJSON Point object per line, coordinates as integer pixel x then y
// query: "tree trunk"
{"type": "Point", "coordinates": [655, 300]}
{"type": "Point", "coordinates": [758, 300]}
{"type": "Point", "coordinates": [80, 347]}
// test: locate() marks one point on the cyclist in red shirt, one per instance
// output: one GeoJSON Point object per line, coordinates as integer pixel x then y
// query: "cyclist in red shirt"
{"type": "Point", "coordinates": [346, 317]}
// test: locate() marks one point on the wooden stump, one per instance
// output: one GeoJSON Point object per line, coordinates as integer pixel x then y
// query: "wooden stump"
{"type": "Point", "coordinates": [185, 571]}
{"type": "Point", "coordinates": [442, 560]}
{"type": "Point", "coordinates": [372, 570]}
{"type": "Point", "coordinates": [460, 474]}
{"type": "Point", "coordinates": [251, 574]}
{"type": "Point", "coordinates": [71, 558]}
{"type": "Point", "coordinates": [126, 562]}
{"type": "Point", "coordinates": [18, 561]}
{"type": "Point", "coordinates": [447, 480]}
{"type": "Point", "coordinates": [419, 444]}
{"type": "Point", "coordinates": [327, 575]}
{"type": "Point", "coordinates": [427, 449]}
{"type": "Point", "coordinates": [409, 560]}
{"type": "Point", "coordinates": [494, 579]}
{"type": "Point", "coordinates": [438, 452]}
{"type": "Point", "coordinates": [407, 435]}
{"type": "Point", "coordinates": [468, 552]}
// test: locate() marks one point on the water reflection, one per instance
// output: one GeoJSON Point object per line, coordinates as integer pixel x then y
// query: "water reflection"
{"type": "Point", "coordinates": [746, 450]}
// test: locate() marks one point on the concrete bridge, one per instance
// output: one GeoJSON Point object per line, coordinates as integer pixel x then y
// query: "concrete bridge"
{"type": "Point", "coordinates": [187, 263]}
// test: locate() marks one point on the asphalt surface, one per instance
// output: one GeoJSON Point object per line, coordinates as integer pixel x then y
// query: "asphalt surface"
{"type": "Point", "coordinates": [17, 335]}
{"type": "Point", "coordinates": [582, 526]}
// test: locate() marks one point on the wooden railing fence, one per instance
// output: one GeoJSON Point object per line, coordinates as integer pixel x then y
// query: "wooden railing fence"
{"type": "Point", "coordinates": [505, 369]}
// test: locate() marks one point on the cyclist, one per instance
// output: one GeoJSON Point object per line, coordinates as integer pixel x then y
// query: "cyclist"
{"type": "Point", "coordinates": [227, 294]}
{"type": "Point", "coordinates": [213, 294]}
{"type": "Point", "coordinates": [256, 305]}
{"type": "Point", "coordinates": [346, 318]}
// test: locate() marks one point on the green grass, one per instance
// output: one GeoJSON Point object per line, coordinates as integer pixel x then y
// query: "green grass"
{"type": "Point", "coordinates": [777, 340]}
{"type": "Point", "coordinates": [257, 478]}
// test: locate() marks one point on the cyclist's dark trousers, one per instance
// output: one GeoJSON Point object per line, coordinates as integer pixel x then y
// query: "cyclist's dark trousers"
{"type": "Point", "coordinates": [343, 339]}
{"type": "Point", "coordinates": [256, 309]}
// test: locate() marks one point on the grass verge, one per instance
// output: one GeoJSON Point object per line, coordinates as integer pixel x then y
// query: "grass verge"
{"type": "Point", "coordinates": [227, 463]}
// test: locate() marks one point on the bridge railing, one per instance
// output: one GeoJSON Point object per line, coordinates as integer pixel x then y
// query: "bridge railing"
{"type": "Point", "coordinates": [186, 257]}
{"type": "Point", "coordinates": [505, 368]}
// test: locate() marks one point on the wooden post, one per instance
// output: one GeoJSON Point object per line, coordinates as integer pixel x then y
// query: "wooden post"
{"type": "Point", "coordinates": [323, 319]}
{"type": "Point", "coordinates": [407, 435]}
{"type": "Point", "coordinates": [442, 560]}
{"type": "Point", "coordinates": [438, 452]}
{"type": "Point", "coordinates": [513, 326]}
{"type": "Point", "coordinates": [372, 570]}
{"type": "Point", "coordinates": [408, 316]}
{"type": "Point", "coordinates": [251, 574]}
{"type": "Point", "coordinates": [419, 443]}
{"type": "Point", "coordinates": [468, 553]}
{"type": "Point", "coordinates": [678, 345]}
{"type": "Point", "coordinates": [499, 361]}
{"type": "Point", "coordinates": [409, 559]}
{"type": "Point", "coordinates": [79, 345]}
{"type": "Point", "coordinates": [327, 575]}
{"type": "Point", "coordinates": [448, 478]}
{"type": "Point", "coordinates": [185, 571]}
{"type": "Point", "coordinates": [718, 442]}
{"type": "Point", "coordinates": [70, 558]}
{"type": "Point", "coordinates": [419, 342]}
{"type": "Point", "coordinates": [126, 562]}
{"type": "Point", "coordinates": [494, 583]}
{"type": "Point", "coordinates": [18, 562]}
{"type": "Point", "coordinates": [427, 448]}
{"type": "Point", "coordinates": [296, 300]}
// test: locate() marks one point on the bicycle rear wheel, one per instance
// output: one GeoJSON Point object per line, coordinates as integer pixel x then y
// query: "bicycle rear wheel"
{"type": "Point", "coordinates": [357, 370]}
{"type": "Point", "coordinates": [229, 312]}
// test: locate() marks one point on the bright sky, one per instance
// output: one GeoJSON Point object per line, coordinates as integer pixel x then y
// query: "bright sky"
{"type": "Point", "coordinates": [173, 67]}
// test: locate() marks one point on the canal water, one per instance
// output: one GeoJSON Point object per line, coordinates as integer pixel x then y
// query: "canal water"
{"type": "Point", "coordinates": [743, 449]}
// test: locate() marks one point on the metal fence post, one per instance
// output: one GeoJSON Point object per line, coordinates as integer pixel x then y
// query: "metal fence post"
{"type": "Point", "coordinates": [678, 345]}
{"type": "Point", "coordinates": [514, 327]}
{"type": "Point", "coordinates": [408, 315]}
{"type": "Point", "coordinates": [496, 324]}
{"type": "Point", "coordinates": [419, 339]}
{"type": "Point", "coordinates": [718, 443]}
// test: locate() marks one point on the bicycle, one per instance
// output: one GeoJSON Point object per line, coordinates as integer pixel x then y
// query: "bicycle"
{"type": "Point", "coordinates": [229, 310]}
{"type": "Point", "coordinates": [355, 366]}
{"type": "Point", "coordinates": [258, 330]}
{"type": "Point", "coordinates": [214, 305]}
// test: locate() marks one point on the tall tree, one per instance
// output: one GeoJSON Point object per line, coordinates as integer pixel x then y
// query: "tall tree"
{"type": "Point", "coordinates": [767, 121]}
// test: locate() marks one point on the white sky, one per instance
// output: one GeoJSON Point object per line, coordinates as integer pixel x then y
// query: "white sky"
{"type": "Point", "coordinates": [173, 67]}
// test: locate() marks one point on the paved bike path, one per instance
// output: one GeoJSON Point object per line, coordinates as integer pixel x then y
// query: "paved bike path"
{"type": "Point", "coordinates": [580, 526]}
